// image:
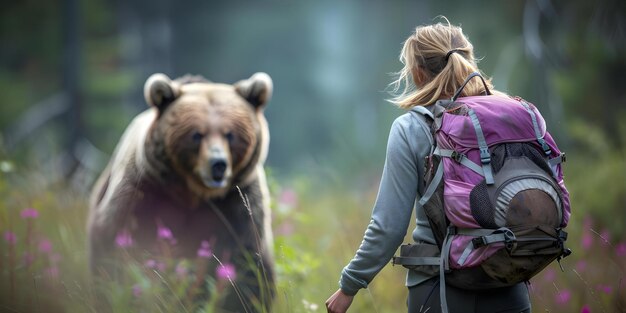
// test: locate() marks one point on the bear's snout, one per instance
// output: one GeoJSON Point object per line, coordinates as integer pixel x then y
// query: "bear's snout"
{"type": "Point", "coordinates": [218, 169]}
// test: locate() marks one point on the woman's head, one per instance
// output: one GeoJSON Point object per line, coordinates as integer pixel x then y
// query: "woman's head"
{"type": "Point", "coordinates": [437, 59]}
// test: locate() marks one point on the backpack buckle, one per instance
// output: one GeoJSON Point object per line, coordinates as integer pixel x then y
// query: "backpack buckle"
{"type": "Point", "coordinates": [485, 156]}
{"type": "Point", "coordinates": [478, 242]}
{"type": "Point", "coordinates": [456, 156]}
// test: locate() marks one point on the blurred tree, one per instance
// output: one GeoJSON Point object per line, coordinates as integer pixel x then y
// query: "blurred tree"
{"type": "Point", "coordinates": [329, 62]}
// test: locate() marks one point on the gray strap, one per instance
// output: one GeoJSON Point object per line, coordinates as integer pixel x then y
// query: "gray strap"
{"type": "Point", "coordinates": [488, 236]}
{"type": "Point", "coordinates": [432, 187]}
{"type": "Point", "coordinates": [545, 238]}
{"type": "Point", "coordinates": [416, 260]}
{"type": "Point", "coordinates": [556, 160]}
{"type": "Point", "coordinates": [493, 238]}
{"type": "Point", "coordinates": [423, 111]}
{"type": "Point", "coordinates": [443, 266]}
{"type": "Point", "coordinates": [553, 162]}
{"type": "Point", "coordinates": [485, 156]}
{"type": "Point", "coordinates": [461, 158]}
{"type": "Point", "coordinates": [466, 253]}
{"type": "Point", "coordinates": [540, 140]}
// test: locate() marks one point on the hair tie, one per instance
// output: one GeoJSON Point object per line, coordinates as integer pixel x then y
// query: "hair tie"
{"type": "Point", "coordinates": [451, 52]}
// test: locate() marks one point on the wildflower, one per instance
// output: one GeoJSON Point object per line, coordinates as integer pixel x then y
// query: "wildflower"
{"type": "Point", "coordinates": [137, 290]}
{"type": "Point", "coordinates": [150, 263]}
{"type": "Point", "coordinates": [164, 233]}
{"type": "Point", "coordinates": [288, 198]}
{"type": "Point", "coordinates": [205, 250]}
{"type": "Point", "coordinates": [124, 239]}
{"type": "Point", "coordinates": [10, 237]}
{"type": "Point", "coordinates": [45, 246]}
{"type": "Point", "coordinates": [563, 296]}
{"type": "Point", "coordinates": [52, 271]}
{"type": "Point", "coordinates": [29, 213]}
{"type": "Point", "coordinates": [605, 288]}
{"type": "Point", "coordinates": [620, 249]}
{"type": "Point", "coordinates": [586, 240]}
{"type": "Point", "coordinates": [585, 309]}
{"type": "Point", "coordinates": [226, 271]}
{"type": "Point", "coordinates": [160, 266]}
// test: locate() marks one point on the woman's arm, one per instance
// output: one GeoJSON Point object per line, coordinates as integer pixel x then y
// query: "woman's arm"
{"type": "Point", "coordinates": [392, 210]}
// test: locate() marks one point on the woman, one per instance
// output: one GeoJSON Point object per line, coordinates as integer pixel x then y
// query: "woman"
{"type": "Point", "coordinates": [437, 59]}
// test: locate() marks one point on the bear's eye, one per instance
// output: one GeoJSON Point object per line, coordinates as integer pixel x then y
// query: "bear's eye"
{"type": "Point", "coordinates": [230, 137]}
{"type": "Point", "coordinates": [197, 137]}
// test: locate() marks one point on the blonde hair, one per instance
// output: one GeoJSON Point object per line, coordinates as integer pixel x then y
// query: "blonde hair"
{"type": "Point", "coordinates": [442, 54]}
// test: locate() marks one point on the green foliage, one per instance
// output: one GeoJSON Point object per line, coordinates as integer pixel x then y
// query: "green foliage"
{"type": "Point", "coordinates": [595, 171]}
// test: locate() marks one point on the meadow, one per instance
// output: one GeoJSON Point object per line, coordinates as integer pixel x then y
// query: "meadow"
{"type": "Point", "coordinates": [317, 228]}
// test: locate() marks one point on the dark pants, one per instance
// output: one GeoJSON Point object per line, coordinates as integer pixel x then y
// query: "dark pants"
{"type": "Point", "coordinates": [425, 296]}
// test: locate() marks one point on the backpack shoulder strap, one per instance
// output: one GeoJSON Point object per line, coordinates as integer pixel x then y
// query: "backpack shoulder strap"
{"type": "Point", "coordinates": [423, 111]}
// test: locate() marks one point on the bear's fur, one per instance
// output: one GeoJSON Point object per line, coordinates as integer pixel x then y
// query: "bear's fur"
{"type": "Point", "coordinates": [185, 164]}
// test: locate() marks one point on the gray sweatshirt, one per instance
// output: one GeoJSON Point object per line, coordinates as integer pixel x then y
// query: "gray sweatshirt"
{"type": "Point", "coordinates": [400, 187]}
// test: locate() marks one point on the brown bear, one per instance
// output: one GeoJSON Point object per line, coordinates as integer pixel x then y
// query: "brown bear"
{"type": "Point", "coordinates": [191, 166]}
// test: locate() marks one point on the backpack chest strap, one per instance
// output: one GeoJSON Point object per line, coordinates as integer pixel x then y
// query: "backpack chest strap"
{"type": "Point", "coordinates": [459, 158]}
{"type": "Point", "coordinates": [485, 155]}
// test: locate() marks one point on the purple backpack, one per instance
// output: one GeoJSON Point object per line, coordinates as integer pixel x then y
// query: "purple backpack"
{"type": "Point", "coordinates": [494, 195]}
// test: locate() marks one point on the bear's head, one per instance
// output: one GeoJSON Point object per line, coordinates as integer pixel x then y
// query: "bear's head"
{"type": "Point", "coordinates": [212, 135]}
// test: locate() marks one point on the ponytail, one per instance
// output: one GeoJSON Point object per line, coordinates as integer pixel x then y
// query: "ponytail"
{"type": "Point", "coordinates": [445, 56]}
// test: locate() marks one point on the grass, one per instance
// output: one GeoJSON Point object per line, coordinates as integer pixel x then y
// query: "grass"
{"type": "Point", "coordinates": [43, 259]}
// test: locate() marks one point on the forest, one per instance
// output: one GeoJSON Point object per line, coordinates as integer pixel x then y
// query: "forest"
{"type": "Point", "coordinates": [73, 71]}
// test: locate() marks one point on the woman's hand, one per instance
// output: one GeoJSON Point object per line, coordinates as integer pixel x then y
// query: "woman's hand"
{"type": "Point", "coordinates": [339, 302]}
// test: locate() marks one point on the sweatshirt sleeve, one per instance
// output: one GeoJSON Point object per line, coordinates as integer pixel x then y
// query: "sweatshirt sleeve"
{"type": "Point", "coordinates": [393, 207]}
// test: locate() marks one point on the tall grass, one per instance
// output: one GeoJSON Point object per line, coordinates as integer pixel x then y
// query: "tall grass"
{"type": "Point", "coordinates": [43, 259]}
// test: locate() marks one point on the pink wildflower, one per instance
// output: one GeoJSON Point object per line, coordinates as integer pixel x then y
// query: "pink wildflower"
{"type": "Point", "coordinates": [205, 250]}
{"type": "Point", "coordinates": [52, 271]}
{"type": "Point", "coordinates": [124, 239]}
{"type": "Point", "coordinates": [10, 237]}
{"type": "Point", "coordinates": [29, 213]}
{"type": "Point", "coordinates": [585, 309]}
{"type": "Point", "coordinates": [226, 271]}
{"type": "Point", "coordinates": [150, 263]}
{"type": "Point", "coordinates": [137, 290]}
{"type": "Point", "coordinates": [563, 296]}
{"type": "Point", "coordinates": [605, 288]}
{"type": "Point", "coordinates": [620, 249]}
{"type": "Point", "coordinates": [161, 266]}
{"type": "Point", "coordinates": [586, 240]}
{"type": "Point", "coordinates": [288, 198]}
{"type": "Point", "coordinates": [164, 233]}
{"type": "Point", "coordinates": [45, 246]}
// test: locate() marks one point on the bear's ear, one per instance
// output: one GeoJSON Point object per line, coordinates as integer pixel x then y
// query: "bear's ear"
{"type": "Point", "coordinates": [160, 91]}
{"type": "Point", "coordinates": [257, 90]}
